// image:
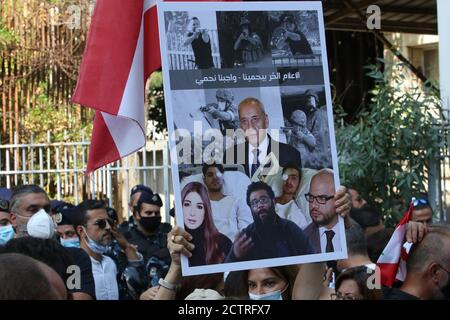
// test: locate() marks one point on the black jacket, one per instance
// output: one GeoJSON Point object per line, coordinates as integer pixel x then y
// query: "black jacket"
{"type": "Point", "coordinates": [286, 154]}
{"type": "Point", "coordinates": [283, 238]}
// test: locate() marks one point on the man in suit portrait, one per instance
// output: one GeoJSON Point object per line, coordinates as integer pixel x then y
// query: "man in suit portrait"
{"type": "Point", "coordinates": [258, 144]}
{"type": "Point", "coordinates": [323, 232]}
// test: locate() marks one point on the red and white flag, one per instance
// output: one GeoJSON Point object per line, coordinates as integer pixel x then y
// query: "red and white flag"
{"type": "Point", "coordinates": [121, 52]}
{"type": "Point", "coordinates": [392, 262]}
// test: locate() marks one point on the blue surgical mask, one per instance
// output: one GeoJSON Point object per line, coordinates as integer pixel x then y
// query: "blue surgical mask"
{"type": "Point", "coordinates": [274, 295]}
{"type": "Point", "coordinates": [96, 247]}
{"type": "Point", "coordinates": [6, 234]}
{"type": "Point", "coordinates": [70, 243]}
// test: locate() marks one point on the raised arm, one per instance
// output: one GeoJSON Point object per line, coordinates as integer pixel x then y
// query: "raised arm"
{"type": "Point", "coordinates": [178, 244]}
{"type": "Point", "coordinates": [308, 283]}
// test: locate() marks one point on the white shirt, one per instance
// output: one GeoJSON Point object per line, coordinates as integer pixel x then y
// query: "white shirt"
{"type": "Point", "coordinates": [292, 212]}
{"type": "Point", "coordinates": [231, 215]}
{"type": "Point", "coordinates": [336, 238]}
{"type": "Point", "coordinates": [105, 272]}
{"type": "Point", "coordinates": [262, 147]}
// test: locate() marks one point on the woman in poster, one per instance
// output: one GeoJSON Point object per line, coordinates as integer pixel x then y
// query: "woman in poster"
{"type": "Point", "coordinates": [211, 246]}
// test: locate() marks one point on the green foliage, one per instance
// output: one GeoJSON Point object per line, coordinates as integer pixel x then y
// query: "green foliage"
{"type": "Point", "coordinates": [386, 153]}
{"type": "Point", "coordinates": [7, 39]}
{"type": "Point", "coordinates": [156, 108]}
{"type": "Point", "coordinates": [45, 116]}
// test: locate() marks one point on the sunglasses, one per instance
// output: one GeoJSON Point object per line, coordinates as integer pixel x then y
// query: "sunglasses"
{"type": "Point", "coordinates": [417, 202]}
{"type": "Point", "coordinates": [101, 223]}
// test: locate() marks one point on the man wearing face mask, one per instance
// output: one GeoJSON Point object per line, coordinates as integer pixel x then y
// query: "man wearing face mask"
{"type": "Point", "coordinates": [29, 215]}
{"type": "Point", "coordinates": [94, 230]}
{"type": "Point", "coordinates": [26, 201]}
{"type": "Point", "coordinates": [428, 269]}
{"type": "Point", "coordinates": [148, 233]}
{"type": "Point", "coordinates": [67, 234]}
{"type": "Point", "coordinates": [6, 229]}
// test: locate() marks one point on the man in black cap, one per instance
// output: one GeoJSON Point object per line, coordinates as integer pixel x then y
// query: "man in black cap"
{"type": "Point", "coordinates": [67, 234]}
{"type": "Point", "coordinates": [6, 229]}
{"type": "Point", "coordinates": [135, 193]}
{"type": "Point", "coordinates": [150, 236]}
{"type": "Point", "coordinates": [148, 233]}
{"type": "Point", "coordinates": [248, 46]}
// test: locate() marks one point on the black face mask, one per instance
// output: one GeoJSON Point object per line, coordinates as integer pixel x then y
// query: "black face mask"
{"type": "Point", "coordinates": [150, 224]}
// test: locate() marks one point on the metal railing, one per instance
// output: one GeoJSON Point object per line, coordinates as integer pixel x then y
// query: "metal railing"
{"type": "Point", "coordinates": [60, 167]}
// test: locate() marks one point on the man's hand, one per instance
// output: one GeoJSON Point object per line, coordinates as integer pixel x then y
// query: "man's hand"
{"type": "Point", "coordinates": [343, 205]}
{"type": "Point", "coordinates": [149, 294]}
{"type": "Point", "coordinates": [415, 231]}
{"type": "Point", "coordinates": [178, 244]}
{"type": "Point", "coordinates": [242, 245]}
{"type": "Point", "coordinates": [120, 238]}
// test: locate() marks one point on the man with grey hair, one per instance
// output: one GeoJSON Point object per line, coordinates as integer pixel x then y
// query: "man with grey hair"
{"type": "Point", "coordinates": [26, 200]}
{"type": "Point", "coordinates": [258, 143]}
{"type": "Point", "coordinates": [428, 269]}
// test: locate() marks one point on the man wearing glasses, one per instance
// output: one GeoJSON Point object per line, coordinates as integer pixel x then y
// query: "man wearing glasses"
{"type": "Point", "coordinates": [323, 231]}
{"type": "Point", "coordinates": [95, 230]}
{"type": "Point", "coordinates": [422, 211]}
{"type": "Point", "coordinates": [269, 236]}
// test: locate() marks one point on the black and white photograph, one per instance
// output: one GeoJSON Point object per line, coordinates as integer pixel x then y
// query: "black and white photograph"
{"type": "Point", "coordinates": [263, 195]}
{"type": "Point", "coordinates": [295, 39]}
{"type": "Point", "coordinates": [244, 40]}
{"type": "Point", "coordinates": [306, 124]}
{"type": "Point", "coordinates": [192, 41]}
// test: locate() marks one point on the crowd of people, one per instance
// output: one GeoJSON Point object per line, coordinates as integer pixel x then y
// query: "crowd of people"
{"type": "Point", "coordinates": [81, 252]}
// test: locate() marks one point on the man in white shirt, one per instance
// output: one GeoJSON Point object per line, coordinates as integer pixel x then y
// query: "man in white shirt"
{"type": "Point", "coordinates": [230, 215]}
{"type": "Point", "coordinates": [323, 232]}
{"type": "Point", "coordinates": [94, 228]}
{"type": "Point", "coordinates": [286, 204]}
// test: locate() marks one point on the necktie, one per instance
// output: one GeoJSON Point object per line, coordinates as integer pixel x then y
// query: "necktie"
{"type": "Point", "coordinates": [330, 235]}
{"type": "Point", "coordinates": [255, 164]}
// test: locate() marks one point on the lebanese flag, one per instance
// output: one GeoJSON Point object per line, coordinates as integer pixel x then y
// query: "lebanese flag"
{"type": "Point", "coordinates": [392, 262]}
{"type": "Point", "coordinates": [121, 52]}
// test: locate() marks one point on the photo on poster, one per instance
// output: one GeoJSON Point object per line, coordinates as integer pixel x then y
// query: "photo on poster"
{"type": "Point", "coordinates": [244, 40]}
{"type": "Point", "coordinates": [246, 187]}
{"type": "Point", "coordinates": [306, 124]}
{"type": "Point", "coordinates": [192, 40]}
{"type": "Point", "coordinates": [295, 38]}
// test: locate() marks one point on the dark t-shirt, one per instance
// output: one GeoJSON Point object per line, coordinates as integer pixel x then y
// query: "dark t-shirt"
{"type": "Point", "coordinates": [301, 46]}
{"type": "Point", "coordinates": [199, 254]}
{"type": "Point", "coordinates": [283, 238]}
{"type": "Point", "coordinates": [397, 294]}
{"type": "Point", "coordinates": [202, 52]}
{"type": "Point", "coordinates": [82, 260]}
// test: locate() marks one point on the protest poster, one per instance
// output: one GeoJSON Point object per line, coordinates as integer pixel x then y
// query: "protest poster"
{"type": "Point", "coordinates": [246, 87]}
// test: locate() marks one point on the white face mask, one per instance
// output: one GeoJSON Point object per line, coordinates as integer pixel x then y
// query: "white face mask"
{"type": "Point", "coordinates": [41, 225]}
